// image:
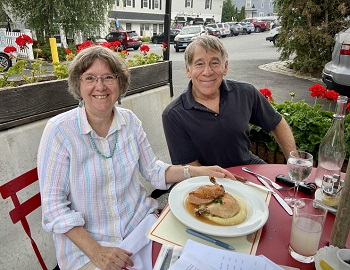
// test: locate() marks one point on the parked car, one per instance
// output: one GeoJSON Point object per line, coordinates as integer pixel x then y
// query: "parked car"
{"type": "Point", "coordinates": [336, 73]}
{"type": "Point", "coordinates": [224, 28]}
{"type": "Point", "coordinates": [128, 39]}
{"type": "Point", "coordinates": [247, 28]}
{"type": "Point", "coordinates": [5, 61]}
{"type": "Point", "coordinates": [186, 35]}
{"type": "Point", "coordinates": [235, 29]}
{"type": "Point", "coordinates": [259, 26]}
{"type": "Point", "coordinates": [213, 31]}
{"type": "Point", "coordinates": [273, 34]}
{"type": "Point", "coordinates": [160, 37]}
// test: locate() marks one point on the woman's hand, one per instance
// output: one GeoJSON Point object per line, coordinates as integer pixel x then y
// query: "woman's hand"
{"type": "Point", "coordinates": [212, 171]}
{"type": "Point", "coordinates": [112, 258]}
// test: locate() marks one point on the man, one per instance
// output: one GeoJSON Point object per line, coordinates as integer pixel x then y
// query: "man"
{"type": "Point", "coordinates": [209, 122]}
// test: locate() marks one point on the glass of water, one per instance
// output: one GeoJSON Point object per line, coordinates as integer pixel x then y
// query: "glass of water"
{"type": "Point", "coordinates": [299, 166]}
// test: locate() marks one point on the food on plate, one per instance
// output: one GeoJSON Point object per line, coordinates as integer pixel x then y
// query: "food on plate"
{"type": "Point", "coordinates": [214, 203]}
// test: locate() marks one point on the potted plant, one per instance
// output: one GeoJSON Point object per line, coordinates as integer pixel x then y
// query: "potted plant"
{"type": "Point", "coordinates": [309, 124]}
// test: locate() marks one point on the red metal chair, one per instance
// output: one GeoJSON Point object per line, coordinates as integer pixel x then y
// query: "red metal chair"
{"type": "Point", "coordinates": [21, 210]}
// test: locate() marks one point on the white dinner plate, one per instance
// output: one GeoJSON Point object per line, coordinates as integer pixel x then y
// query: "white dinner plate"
{"type": "Point", "coordinates": [257, 210]}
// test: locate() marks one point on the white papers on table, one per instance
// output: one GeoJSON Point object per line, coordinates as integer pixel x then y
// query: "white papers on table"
{"type": "Point", "coordinates": [197, 256]}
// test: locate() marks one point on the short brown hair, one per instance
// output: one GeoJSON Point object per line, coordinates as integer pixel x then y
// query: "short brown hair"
{"type": "Point", "coordinates": [208, 43]}
{"type": "Point", "coordinates": [84, 60]}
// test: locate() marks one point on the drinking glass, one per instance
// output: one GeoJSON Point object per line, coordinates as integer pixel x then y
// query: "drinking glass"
{"type": "Point", "coordinates": [307, 226]}
{"type": "Point", "coordinates": [299, 165]}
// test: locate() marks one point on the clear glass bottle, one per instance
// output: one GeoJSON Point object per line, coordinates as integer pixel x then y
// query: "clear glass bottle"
{"type": "Point", "coordinates": [332, 149]}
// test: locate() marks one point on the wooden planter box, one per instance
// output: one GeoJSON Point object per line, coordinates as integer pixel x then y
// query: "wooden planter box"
{"type": "Point", "coordinates": [32, 102]}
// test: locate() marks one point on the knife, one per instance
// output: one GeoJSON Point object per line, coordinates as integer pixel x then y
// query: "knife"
{"type": "Point", "coordinates": [278, 197]}
{"type": "Point", "coordinates": [245, 181]}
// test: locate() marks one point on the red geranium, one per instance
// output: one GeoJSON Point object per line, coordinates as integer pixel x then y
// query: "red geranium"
{"type": "Point", "coordinates": [85, 44]}
{"type": "Point", "coordinates": [111, 45]}
{"type": "Point", "coordinates": [266, 93]}
{"type": "Point", "coordinates": [348, 106]}
{"type": "Point", "coordinates": [144, 48]}
{"type": "Point", "coordinates": [10, 49]}
{"type": "Point", "coordinates": [164, 45]}
{"type": "Point", "coordinates": [23, 40]}
{"type": "Point", "coordinates": [68, 51]}
{"type": "Point", "coordinates": [331, 95]}
{"type": "Point", "coordinates": [317, 90]}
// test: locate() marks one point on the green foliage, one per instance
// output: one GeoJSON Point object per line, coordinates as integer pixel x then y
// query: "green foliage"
{"type": "Point", "coordinates": [144, 59]}
{"type": "Point", "coordinates": [230, 12]}
{"type": "Point", "coordinates": [309, 125]}
{"type": "Point", "coordinates": [308, 31]}
{"type": "Point", "coordinates": [36, 70]}
{"type": "Point", "coordinates": [145, 39]}
{"type": "Point", "coordinates": [45, 17]}
{"type": "Point", "coordinates": [46, 54]}
{"type": "Point", "coordinates": [60, 70]}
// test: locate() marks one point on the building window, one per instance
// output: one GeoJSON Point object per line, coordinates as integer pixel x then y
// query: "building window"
{"type": "Point", "coordinates": [207, 4]}
{"type": "Point", "coordinates": [261, 14]}
{"type": "Point", "coordinates": [156, 4]}
{"type": "Point", "coordinates": [145, 3]}
{"type": "Point", "coordinates": [161, 28]}
{"type": "Point", "coordinates": [248, 4]}
{"type": "Point", "coordinates": [270, 4]}
{"type": "Point", "coordinates": [128, 3]}
{"type": "Point", "coordinates": [262, 4]}
{"type": "Point", "coordinates": [128, 26]}
{"type": "Point", "coordinates": [189, 3]}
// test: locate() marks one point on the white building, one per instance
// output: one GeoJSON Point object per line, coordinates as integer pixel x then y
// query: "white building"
{"type": "Point", "coordinates": [146, 17]}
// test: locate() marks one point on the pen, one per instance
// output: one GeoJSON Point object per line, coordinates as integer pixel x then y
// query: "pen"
{"type": "Point", "coordinates": [212, 240]}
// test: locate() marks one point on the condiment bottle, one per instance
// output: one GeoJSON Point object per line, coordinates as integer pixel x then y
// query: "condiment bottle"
{"type": "Point", "coordinates": [332, 149]}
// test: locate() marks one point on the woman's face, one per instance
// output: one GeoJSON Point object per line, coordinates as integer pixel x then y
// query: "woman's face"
{"type": "Point", "coordinates": [99, 96]}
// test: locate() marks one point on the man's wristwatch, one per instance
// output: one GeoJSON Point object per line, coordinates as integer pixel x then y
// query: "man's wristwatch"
{"type": "Point", "coordinates": [187, 173]}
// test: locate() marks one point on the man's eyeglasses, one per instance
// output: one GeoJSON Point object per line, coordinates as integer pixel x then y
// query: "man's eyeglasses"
{"type": "Point", "coordinates": [109, 79]}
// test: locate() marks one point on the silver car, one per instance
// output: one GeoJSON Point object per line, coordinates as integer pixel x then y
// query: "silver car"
{"type": "Point", "coordinates": [336, 73]}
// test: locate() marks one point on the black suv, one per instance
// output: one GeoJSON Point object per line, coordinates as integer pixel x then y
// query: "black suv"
{"type": "Point", "coordinates": [128, 39]}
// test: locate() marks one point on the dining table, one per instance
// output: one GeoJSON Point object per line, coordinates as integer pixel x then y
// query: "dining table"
{"type": "Point", "coordinates": [275, 234]}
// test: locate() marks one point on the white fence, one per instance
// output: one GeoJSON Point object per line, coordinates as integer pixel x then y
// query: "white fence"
{"type": "Point", "coordinates": [9, 39]}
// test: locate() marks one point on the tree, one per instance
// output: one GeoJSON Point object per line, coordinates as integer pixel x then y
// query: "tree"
{"type": "Point", "coordinates": [229, 11]}
{"type": "Point", "coordinates": [46, 17]}
{"type": "Point", "coordinates": [308, 30]}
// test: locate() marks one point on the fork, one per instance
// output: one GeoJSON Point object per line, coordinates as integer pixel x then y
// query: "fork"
{"type": "Point", "coordinates": [274, 184]}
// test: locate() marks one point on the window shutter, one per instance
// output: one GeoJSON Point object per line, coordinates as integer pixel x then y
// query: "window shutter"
{"type": "Point", "coordinates": [133, 3]}
{"type": "Point", "coordinates": [191, 3]}
{"type": "Point", "coordinates": [211, 3]}
{"type": "Point", "coordinates": [141, 3]}
{"type": "Point", "coordinates": [124, 3]}
{"type": "Point", "coordinates": [185, 3]}
{"type": "Point", "coordinates": [152, 4]}
{"type": "Point", "coordinates": [118, 3]}
{"type": "Point", "coordinates": [160, 4]}
{"type": "Point", "coordinates": [149, 4]}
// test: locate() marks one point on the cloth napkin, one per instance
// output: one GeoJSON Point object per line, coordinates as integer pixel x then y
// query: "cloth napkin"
{"type": "Point", "coordinates": [141, 246]}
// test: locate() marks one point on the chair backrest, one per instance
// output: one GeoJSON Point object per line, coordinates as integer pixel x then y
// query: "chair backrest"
{"type": "Point", "coordinates": [21, 210]}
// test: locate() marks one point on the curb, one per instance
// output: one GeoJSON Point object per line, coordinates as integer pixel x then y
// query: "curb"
{"type": "Point", "coordinates": [282, 68]}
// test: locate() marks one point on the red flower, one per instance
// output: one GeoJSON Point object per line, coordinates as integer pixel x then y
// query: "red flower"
{"type": "Point", "coordinates": [68, 51]}
{"type": "Point", "coordinates": [266, 93]}
{"type": "Point", "coordinates": [125, 52]}
{"type": "Point", "coordinates": [23, 40]}
{"type": "Point", "coordinates": [85, 44]}
{"type": "Point", "coordinates": [111, 45]}
{"type": "Point", "coordinates": [10, 49]}
{"type": "Point", "coordinates": [144, 48]}
{"type": "Point", "coordinates": [317, 90]}
{"type": "Point", "coordinates": [348, 106]}
{"type": "Point", "coordinates": [164, 45]}
{"type": "Point", "coordinates": [331, 95]}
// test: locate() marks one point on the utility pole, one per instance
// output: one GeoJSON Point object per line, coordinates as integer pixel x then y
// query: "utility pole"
{"type": "Point", "coordinates": [167, 21]}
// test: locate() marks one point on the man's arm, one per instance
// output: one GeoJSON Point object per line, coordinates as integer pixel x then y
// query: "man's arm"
{"type": "Point", "coordinates": [284, 137]}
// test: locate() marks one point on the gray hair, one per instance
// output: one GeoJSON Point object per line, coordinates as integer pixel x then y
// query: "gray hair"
{"type": "Point", "coordinates": [84, 60]}
{"type": "Point", "coordinates": [208, 43]}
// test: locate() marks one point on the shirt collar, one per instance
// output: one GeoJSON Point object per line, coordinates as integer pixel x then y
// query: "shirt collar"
{"type": "Point", "coordinates": [85, 127]}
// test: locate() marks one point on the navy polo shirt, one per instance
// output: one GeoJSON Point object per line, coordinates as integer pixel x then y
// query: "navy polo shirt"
{"type": "Point", "coordinates": [195, 132]}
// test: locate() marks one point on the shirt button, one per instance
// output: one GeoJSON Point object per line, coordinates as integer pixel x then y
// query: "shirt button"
{"type": "Point", "coordinates": [216, 114]}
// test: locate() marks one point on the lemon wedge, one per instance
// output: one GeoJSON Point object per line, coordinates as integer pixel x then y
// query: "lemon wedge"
{"type": "Point", "coordinates": [330, 201]}
{"type": "Point", "coordinates": [325, 266]}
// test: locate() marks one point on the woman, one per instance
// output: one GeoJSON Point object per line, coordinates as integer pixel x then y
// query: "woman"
{"type": "Point", "coordinates": [89, 163]}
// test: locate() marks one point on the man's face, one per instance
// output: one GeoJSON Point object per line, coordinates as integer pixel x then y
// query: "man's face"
{"type": "Point", "coordinates": [206, 72]}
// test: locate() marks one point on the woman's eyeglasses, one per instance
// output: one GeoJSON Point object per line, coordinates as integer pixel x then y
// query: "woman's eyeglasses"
{"type": "Point", "coordinates": [109, 79]}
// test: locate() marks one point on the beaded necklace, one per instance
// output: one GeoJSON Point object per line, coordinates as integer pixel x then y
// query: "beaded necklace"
{"type": "Point", "coordinates": [99, 152]}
